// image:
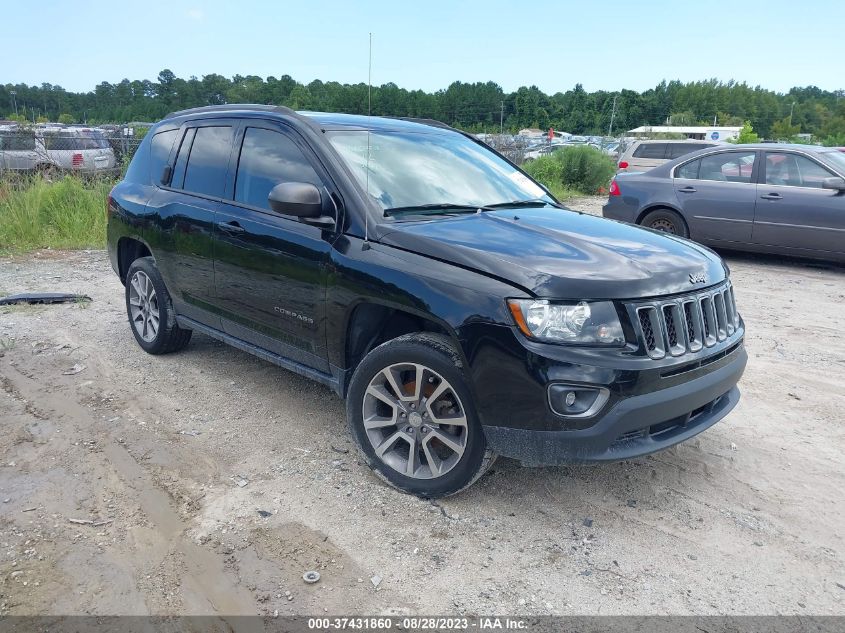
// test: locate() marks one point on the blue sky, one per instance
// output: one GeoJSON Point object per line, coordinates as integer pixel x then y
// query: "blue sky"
{"type": "Point", "coordinates": [603, 44]}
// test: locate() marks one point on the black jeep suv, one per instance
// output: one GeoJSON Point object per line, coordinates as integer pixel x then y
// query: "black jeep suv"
{"type": "Point", "coordinates": [459, 309]}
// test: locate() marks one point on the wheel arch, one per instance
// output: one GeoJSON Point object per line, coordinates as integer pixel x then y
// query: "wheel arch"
{"type": "Point", "coordinates": [662, 206]}
{"type": "Point", "coordinates": [128, 250]}
{"type": "Point", "coordinates": [369, 323]}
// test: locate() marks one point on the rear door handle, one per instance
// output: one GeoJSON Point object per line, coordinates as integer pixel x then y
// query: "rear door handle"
{"type": "Point", "coordinates": [772, 196]}
{"type": "Point", "coordinates": [230, 227]}
{"type": "Point", "coordinates": [687, 189]}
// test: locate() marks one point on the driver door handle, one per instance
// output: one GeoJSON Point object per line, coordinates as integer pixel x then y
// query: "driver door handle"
{"type": "Point", "coordinates": [230, 227]}
{"type": "Point", "coordinates": [687, 189]}
{"type": "Point", "coordinates": [772, 196]}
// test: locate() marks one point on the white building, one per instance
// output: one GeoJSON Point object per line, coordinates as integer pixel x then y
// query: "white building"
{"type": "Point", "coordinates": [700, 132]}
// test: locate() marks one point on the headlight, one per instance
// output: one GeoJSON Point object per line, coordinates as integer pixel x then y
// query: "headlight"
{"type": "Point", "coordinates": [582, 322]}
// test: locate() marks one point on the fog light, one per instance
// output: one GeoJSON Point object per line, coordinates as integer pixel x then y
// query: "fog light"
{"type": "Point", "coordinates": [575, 401]}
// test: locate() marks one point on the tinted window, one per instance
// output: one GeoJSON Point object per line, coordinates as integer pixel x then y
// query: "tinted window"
{"type": "Point", "coordinates": [208, 160]}
{"type": "Point", "coordinates": [75, 140]}
{"type": "Point", "coordinates": [727, 167]}
{"type": "Point", "coordinates": [794, 170]}
{"type": "Point", "coordinates": [17, 141]}
{"type": "Point", "coordinates": [676, 150]}
{"type": "Point", "coordinates": [690, 170]}
{"type": "Point", "coordinates": [267, 159]}
{"type": "Point", "coordinates": [178, 178]}
{"type": "Point", "coordinates": [160, 152]}
{"type": "Point", "coordinates": [651, 150]}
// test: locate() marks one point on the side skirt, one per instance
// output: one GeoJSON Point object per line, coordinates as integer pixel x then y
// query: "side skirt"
{"type": "Point", "coordinates": [334, 382]}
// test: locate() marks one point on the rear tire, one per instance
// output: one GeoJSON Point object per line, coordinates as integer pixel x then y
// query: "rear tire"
{"type": "Point", "coordinates": [667, 221]}
{"type": "Point", "coordinates": [150, 310]}
{"type": "Point", "coordinates": [425, 438]}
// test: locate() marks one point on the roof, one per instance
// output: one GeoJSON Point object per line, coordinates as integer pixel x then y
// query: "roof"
{"type": "Point", "coordinates": [682, 129]}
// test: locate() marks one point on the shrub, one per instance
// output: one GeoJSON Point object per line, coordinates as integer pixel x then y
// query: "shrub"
{"type": "Point", "coordinates": [38, 213]}
{"type": "Point", "coordinates": [581, 168]}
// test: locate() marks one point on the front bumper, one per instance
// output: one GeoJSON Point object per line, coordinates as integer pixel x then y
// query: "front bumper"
{"type": "Point", "coordinates": [634, 426]}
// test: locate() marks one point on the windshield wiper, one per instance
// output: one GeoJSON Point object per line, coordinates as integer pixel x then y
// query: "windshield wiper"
{"type": "Point", "coordinates": [514, 204]}
{"type": "Point", "coordinates": [434, 209]}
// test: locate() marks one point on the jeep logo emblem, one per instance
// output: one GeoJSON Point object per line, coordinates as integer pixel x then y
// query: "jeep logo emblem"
{"type": "Point", "coordinates": [698, 278]}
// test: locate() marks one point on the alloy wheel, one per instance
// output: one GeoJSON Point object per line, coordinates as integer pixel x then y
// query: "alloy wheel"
{"type": "Point", "coordinates": [415, 420]}
{"type": "Point", "coordinates": [143, 306]}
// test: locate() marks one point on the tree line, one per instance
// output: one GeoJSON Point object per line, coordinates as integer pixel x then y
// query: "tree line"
{"type": "Point", "coordinates": [478, 107]}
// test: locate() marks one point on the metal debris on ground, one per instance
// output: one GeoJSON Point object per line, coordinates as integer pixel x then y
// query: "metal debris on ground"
{"type": "Point", "coordinates": [240, 480]}
{"type": "Point", "coordinates": [78, 367]}
{"type": "Point", "coordinates": [311, 577]}
{"type": "Point", "coordinates": [42, 298]}
{"type": "Point", "coordinates": [376, 580]}
{"type": "Point", "coordinates": [264, 514]}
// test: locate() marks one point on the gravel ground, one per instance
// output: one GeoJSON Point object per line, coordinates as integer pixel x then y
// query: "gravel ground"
{"type": "Point", "coordinates": [208, 481]}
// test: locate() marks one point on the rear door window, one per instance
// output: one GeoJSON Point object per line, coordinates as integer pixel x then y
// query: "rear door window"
{"type": "Point", "coordinates": [651, 150]}
{"type": "Point", "coordinates": [178, 178]}
{"type": "Point", "coordinates": [267, 159]}
{"type": "Point", "coordinates": [727, 167]}
{"type": "Point", "coordinates": [208, 161]}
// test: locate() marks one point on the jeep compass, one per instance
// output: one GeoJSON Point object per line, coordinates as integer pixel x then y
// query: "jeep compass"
{"type": "Point", "coordinates": [456, 306]}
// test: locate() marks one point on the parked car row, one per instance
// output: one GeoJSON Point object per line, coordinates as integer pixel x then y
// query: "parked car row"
{"type": "Point", "coordinates": [785, 199]}
{"type": "Point", "coordinates": [45, 148]}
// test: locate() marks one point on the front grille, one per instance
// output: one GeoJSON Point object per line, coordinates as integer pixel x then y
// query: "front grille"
{"type": "Point", "coordinates": [686, 324]}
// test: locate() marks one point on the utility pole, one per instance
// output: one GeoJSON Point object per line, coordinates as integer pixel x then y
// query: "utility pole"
{"type": "Point", "coordinates": [791, 109]}
{"type": "Point", "coordinates": [14, 100]}
{"type": "Point", "coordinates": [612, 116]}
{"type": "Point", "coordinates": [502, 119]}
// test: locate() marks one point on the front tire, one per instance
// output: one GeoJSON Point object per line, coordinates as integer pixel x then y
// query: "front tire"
{"type": "Point", "coordinates": [667, 221]}
{"type": "Point", "coordinates": [411, 413]}
{"type": "Point", "coordinates": [150, 310]}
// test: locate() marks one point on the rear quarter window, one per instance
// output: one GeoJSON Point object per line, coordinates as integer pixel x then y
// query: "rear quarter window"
{"type": "Point", "coordinates": [208, 161]}
{"type": "Point", "coordinates": [689, 170]}
{"type": "Point", "coordinates": [676, 150]}
{"type": "Point", "coordinates": [160, 148]}
{"type": "Point", "coordinates": [650, 150]}
{"type": "Point", "coordinates": [17, 141]}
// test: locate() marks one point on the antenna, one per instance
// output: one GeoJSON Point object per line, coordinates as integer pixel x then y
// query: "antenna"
{"type": "Point", "coordinates": [366, 244]}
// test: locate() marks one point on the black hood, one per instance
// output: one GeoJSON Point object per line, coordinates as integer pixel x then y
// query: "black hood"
{"type": "Point", "coordinates": [563, 254]}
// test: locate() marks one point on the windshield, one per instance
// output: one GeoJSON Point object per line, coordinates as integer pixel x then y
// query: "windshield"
{"type": "Point", "coordinates": [837, 159]}
{"type": "Point", "coordinates": [412, 169]}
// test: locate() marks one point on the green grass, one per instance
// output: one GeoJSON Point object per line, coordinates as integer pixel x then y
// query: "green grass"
{"type": "Point", "coordinates": [65, 214]}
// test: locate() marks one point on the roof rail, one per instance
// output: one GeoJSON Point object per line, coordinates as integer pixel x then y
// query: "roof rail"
{"type": "Point", "coordinates": [234, 106]}
{"type": "Point", "coordinates": [430, 122]}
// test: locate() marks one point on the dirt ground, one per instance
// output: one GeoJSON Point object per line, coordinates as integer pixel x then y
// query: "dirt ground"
{"type": "Point", "coordinates": [208, 482]}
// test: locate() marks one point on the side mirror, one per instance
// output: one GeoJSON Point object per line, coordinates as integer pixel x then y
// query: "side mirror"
{"type": "Point", "coordinates": [301, 199]}
{"type": "Point", "coordinates": [834, 182]}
